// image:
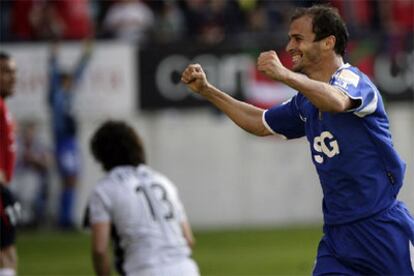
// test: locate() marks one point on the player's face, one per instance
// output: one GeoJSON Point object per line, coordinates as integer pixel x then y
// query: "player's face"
{"type": "Point", "coordinates": [7, 77]}
{"type": "Point", "coordinates": [305, 52]}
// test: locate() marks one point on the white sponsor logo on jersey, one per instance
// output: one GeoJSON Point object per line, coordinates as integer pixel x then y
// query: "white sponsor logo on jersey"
{"type": "Point", "coordinates": [346, 77]}
{"type": "Point", "coordinates": [326, 145]}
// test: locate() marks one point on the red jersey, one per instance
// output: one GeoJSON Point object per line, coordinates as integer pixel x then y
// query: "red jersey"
{"type": "Point", "coordinates": [7, 142]}
{"type": "Point", "coordinates": [76, 17]}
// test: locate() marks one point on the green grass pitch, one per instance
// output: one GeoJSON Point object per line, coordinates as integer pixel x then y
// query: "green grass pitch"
{"type": "Point", "coordinates": [280, 251]}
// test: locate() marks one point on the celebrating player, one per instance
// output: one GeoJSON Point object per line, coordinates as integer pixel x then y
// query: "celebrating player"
{"type": "Point", "coordinates": [139, 208]}
{"type": "Point", "coordinates": [341, 113]}
{"type": "Point", "coordinates": [9, 208]}
{"type": "Point", "coordinates": [62, 86]}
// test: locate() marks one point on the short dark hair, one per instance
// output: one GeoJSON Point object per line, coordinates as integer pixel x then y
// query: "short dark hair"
{"type": "Point", "coordinates": [326, 21]}
{"type": "Point", "coordinates": [4, 55]}
{"type": "Point", "coordinates": [115, 143]}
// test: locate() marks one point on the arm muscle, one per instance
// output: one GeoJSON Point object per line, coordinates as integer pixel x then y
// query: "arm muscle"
{"type": "Point", "coordinates": [245, 115]}
{"type": "Point", "coordinates": [324, 96]}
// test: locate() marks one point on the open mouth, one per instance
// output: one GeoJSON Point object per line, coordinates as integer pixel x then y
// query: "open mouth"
{"type": "Point", "coordinates": [296, 58]}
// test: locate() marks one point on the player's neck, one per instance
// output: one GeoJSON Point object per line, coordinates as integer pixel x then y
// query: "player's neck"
{"type": "Point", "coordinates": [323, 72]}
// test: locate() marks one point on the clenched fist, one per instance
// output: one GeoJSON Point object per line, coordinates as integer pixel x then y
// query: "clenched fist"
{"type": "Point", "coordinates": [195, 78]}
{"type": "Point", "coordinates": [269, 64]}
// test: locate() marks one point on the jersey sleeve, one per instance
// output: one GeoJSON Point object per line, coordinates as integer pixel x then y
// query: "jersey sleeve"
{"type": "Point", "coordinates": [285, 119]}
{"type": "Point", "coordinates": [98, 209]}
{"type": "Point", "coordinates": [355, 86]}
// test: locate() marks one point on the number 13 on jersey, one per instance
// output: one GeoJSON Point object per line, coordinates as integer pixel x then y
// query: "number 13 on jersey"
{"type": "Point", "coordinates": [157, 199]}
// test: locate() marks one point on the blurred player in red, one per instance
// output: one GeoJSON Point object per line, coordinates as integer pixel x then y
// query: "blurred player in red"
{"type": "Point", "coordinates": [9, 208]}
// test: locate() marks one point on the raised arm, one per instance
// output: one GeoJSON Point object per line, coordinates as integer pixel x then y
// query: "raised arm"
{"type": "Point", "coordinates": [324, 96]}
{"type": "Point", "coordinates": [53, 69]}
{"type": "Point", "coordinates": [245, 115]}
{"type": "Point", "coordinates": [83, 60]}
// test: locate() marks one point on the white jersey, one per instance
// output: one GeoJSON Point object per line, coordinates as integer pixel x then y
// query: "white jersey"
{"type": "Point", "coordinates": [146, 214]}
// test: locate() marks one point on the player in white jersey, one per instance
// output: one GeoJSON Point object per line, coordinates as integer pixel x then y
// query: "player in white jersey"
{"type": "Point", "coordinates": [139, 208]}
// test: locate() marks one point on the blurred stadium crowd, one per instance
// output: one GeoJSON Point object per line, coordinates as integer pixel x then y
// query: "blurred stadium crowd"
{"type": "Point", "coordinates": [205, 21]}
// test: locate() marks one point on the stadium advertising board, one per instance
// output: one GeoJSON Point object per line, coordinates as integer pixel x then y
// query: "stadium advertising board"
{"type": "Point", "coordinates": [107, 87]}
{"type": "Point", "coordinates": [391, 72]}
{"type": "Point", "coordinates": [233, 70]}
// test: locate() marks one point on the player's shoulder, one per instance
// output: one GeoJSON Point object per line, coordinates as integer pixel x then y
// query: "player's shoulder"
{"type": "Point", "coordinates": [112, 178]}
{"type": "Point", "coordinates": [347, 68]}
{"type": "Point", "coordinates": [155, 176]}
{"type": "Point", "coordinates": [350, 77]}
{"type": "Point", "coordinates": [348, 74]}
{"type": "Point", "coordinates": [103, 187]}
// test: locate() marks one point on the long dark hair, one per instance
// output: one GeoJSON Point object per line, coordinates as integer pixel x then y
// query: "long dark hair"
{"type": "Point", "coordinates": [115, 143]}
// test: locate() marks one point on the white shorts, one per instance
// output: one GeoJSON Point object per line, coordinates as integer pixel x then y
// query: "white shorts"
{"type": "Point", "coordinates": [187, 267]}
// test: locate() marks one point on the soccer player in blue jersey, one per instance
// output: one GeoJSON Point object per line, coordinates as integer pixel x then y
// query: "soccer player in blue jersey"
{"type": "Point", "coordinates": [62, 86]}
{"type": "Point", "coordinates": [340, 111]}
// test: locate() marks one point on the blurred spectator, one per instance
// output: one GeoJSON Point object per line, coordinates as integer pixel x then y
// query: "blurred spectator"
{"type": "Point", "coordinates": [194, 14]}
{"type": "Point", "coordinates": [129, 20]}
{"type": "Point", "coordinates": [99, 11]}
{"type": "Point", "coordinates": [213, 25]}
{"type": "Point", "coordinates": [359, 15]}
{"type": "Point", "coordinates": [265, 21]}
{"type": "Point", "coordinates": [43, 19]}
{"type": "Point", "coordinates": [212, 21]}
{"type": "Point", "coordinates": [169, 23]}
{"type": "Point", "coordinates": [226, 15]}
{"type": "Point", "coordinates": [278, 14]}
{"type": "Point", "coordinates": [76, 18]}
{"type": "Point", "coordinates": [257, 20]}
{"type": "Point", "coordinates": [64, 126]}
{"type": "Point", "coordinates": [46, 22]}
{"type": "Point", "coordinates": [20, 24]}
{"type": "Point", "coordinates": [5, 8]}
{"type": "Point", "coordinates": [397, 18]}
{"type": "Point", "coordinates": [205, 21]}
{"type": "Point", "coordinates": [31, 183]}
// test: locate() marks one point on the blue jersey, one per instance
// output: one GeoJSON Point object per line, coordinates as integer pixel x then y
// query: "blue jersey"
{"type": "Point", "coordinates": [61, 101]}
{"type": "Point", "coordinates": [358, 167]}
